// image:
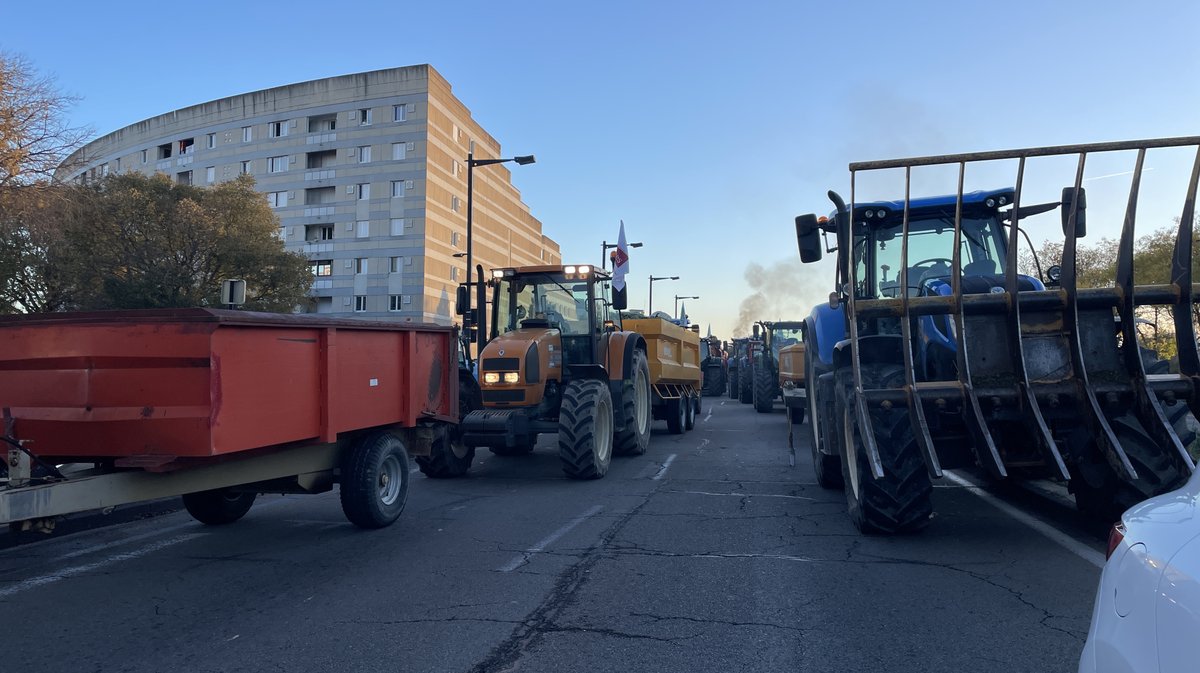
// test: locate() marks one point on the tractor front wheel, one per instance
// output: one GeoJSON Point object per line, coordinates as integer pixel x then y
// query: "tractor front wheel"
{"type": "Point", "coordinates": [585, 435]}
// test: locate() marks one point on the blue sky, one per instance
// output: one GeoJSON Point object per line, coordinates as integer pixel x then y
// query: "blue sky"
{"type": "Point", "coordinates": [705, 126]}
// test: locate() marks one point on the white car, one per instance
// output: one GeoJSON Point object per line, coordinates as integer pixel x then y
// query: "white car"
{"type": "Point", "coordinates": [1147, 609]}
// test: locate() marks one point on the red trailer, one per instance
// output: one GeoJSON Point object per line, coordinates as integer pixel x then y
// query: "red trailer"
{"type": "Point", "coordinates": [108, 408]}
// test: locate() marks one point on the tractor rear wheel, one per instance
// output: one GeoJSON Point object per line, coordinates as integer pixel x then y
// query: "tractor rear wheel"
{"type": "Point", "coordinates": [746, 386]}
{"type": "Point", "coordinates": [765, 387]}
{"type": "Point", "coordinates": [585, 422]}
{"type": "Point", "coordinates": [900, 501]}
{"type": "Point", "coordinates": [635, 411]}
{"type": "Point", "coordinates": [733, 383]}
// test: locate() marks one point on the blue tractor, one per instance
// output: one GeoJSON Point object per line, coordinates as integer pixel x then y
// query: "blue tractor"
{"type": "Point", "coordinates": [935, 353]}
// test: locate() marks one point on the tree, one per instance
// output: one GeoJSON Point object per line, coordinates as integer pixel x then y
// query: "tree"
{"type": "Point", "coordinates": [35, 136]}
{"type": "Point", "coordinates": [136, 241]}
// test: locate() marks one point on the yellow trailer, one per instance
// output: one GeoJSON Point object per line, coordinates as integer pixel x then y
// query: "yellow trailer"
{"type": "Point", "coordinates": [673, 353]}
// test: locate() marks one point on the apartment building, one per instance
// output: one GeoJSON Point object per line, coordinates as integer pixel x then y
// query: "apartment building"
{"type": "Point", "coordinates": [367, 173]}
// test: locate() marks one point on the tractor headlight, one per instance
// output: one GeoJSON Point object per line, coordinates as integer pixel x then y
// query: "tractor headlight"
{"type": "Point", "coordinates": [512, 377]}
{"type": "Point", "coordinates": [491, 377]}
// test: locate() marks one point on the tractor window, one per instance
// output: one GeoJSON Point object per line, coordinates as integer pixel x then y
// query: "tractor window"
{"type": "Point", "coordinates": [543, 300]}
{"type": "Point", "coordinates": [782, 337]}
{"type": "Point", "coordinates": [930, 252]}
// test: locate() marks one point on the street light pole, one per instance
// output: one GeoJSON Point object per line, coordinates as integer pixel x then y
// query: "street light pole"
{"type": "Point", "coordinates": [472, 162]}
{"type": "Point", "coordinates": [677, 298]}
{"type": "Point", "coordinates": [605, 246]}
{"type": "Point", "coordinates": [650, 300]}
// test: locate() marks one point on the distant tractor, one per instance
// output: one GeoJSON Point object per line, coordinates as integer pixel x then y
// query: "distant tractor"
{"type": "Point", "coordinates": [746, 368]}
{"type": "Point", "coordinates": [767, 374]}
{"type": "Point", "coordinates": [712, 366]}
{"type": "Point", "coordinates": [935, 352]}
{"type": "Point", "coordinates": [736, 353]}
{"type": "Point", "coordinates": [558, 362]}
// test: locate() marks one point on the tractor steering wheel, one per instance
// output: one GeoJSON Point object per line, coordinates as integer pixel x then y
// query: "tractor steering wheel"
{"type": "Point", "coordinates": [947, 260]}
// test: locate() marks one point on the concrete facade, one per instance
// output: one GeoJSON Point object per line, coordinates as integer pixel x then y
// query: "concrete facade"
{"type": "Point", "coordinates": [367, 173]}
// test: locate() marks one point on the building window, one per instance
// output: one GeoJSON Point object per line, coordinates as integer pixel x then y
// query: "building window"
{"type": "Point", "coordinates": [318, 232]}
{"type": "Point", "coordinates": [364, 191]}
{"type": "Point", "coordinates": [454, 239]}
{"type": "Point", "coordinates": [322, 267]}
{"type": "Point", "coordinates": [394, 264]}
{"type": "Point", "coordinates": [164, 151]}
{"type": "Point", "coordinates": [454, 273]}
{"type": "Point", "coordinates": [364, 154]}
{"type": "Point", "coordinates": [454, 203]}
{"type": "Point", "coordinates": [212, 140]}
{"type": "Point", "coordinates": [399, 113]}
{"type": "Point", "coordinates": [104, 171]}
{"type": "Point", "coordinates": [118, 167]}
{"type": "Point", "coordinates": [397, 226]}
{"type": "Point", "coordinates": [398, 152]}
{"type": "Point", "coordinates": [277, 164]}
{"type": "Point", "coordinates": [187, 145]}
{"type": "Point", "coordinates": [360, 303]}
{"type": "Point", "coordinates": [364, 116]}
{"type": "Point", "coordinates": [360, 265]}
{"type": "Point", "coordinates": [245, 168]}
{"type": "Point", "coordinates": [397, 189]}
{"type": "Point", "coordinates": [394, 302]}
{"type": "Point", "coordinates": [247, 134]}
{"type": "Point", "coordinates": [277, 199]}
{"type": "Point", "coordinates": [277, 129]}
{"type": "Point", "coordinates": [364, 228]}
{"type": "Point", "coordinates": [184, 178]}
{"type": "Point", "coordinates": [210, 174]}
{"type": "Point", "coordinates": [143, 156]}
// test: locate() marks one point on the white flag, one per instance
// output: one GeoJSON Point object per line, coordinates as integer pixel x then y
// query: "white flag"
{"type": "Point", "coordinates": [620, 261]}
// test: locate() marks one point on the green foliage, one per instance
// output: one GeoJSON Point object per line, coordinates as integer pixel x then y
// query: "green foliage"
{"type": "Point", "coordinates": [136, 241]}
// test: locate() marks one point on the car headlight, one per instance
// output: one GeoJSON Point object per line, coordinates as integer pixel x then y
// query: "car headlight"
{"type": "Point", "coordinates": [512, 377]}
{"type": "Point", "coordinates": [491, 377]}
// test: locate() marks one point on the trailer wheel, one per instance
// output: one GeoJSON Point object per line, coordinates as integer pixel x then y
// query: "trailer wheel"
{"type": "Point", "coordinates": [765, 386]}
{"type": "Point", "coordinates": [899, 502]}
{"type": "Point", "coordinates": [374, 480]}
{"type": "Point", "coordinates": [676, 415]}
{"type": "Point", "coordinates": [635, 411]}
{"type": "Point", "coordinates": [689, 416]}
{"type": "Point", "coordinates": [585, 436]}
{"type": "Point", "coordinates": [447, 457]}
{"type": "Point", "coordinates": [821, 398]}
{"type": "Point", "coordinates": [219, 506]}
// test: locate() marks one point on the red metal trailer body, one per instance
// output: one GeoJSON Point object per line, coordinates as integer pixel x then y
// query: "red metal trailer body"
{"type": "Point", "coordinates": [168, 390]}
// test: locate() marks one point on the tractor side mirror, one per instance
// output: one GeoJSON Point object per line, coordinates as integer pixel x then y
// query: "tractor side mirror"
{"type": "Point", "coordinates": [1068, 200]}
{"type": "Point", "coordinates": [460, 300]}
{"type": "Point", "coordinates": [756, 331]}
{"type": "Point", "coordinates": [620, 299]}
{"type": "Point", "coordinates": [808, 236]}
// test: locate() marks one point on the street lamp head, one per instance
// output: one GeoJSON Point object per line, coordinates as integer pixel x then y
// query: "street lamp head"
{"type": "Point", "coordinates": [635, 245]}
{"type": "Point", "coordinates": [460, 254]}
{"type": "Point", "coordinates": [674, 277]}
{"type": "Point", "coordinates": [523, 160]}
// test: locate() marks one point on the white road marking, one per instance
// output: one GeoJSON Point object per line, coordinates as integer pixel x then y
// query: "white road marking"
{"type": "Point", "coordinates": [710, 410]}
{"type": "Point", "coordinates": [704, 444]}
{"type": "Point", "coordinates": [235, 637]}
{"type": "Point", "coordinates": [666, 463]}
{"type": "Point", "coordinates": [775, 557]}
{"type": "Point", "coordinates": [524, 557]}
{"type": "Point", "coordinates": [745, 495]}
{"type": "Point", "coordinates": [117, 543]}
{"type": "Point", "coordinates": [72, 571]}
{"type": "Point", "coordinates": [1055, 535]}
{"type": "Point", "coordinates": [722, 404]}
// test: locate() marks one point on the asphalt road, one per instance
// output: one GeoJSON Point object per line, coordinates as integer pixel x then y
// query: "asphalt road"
{"type": "Point", "coordinates": [709, 553]}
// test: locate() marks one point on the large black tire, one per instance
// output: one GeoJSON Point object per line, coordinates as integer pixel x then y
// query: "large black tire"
{"type": "Point", "coordinates": [585, 436]}
{"type": "Point", "coordinates": [689, 414]}
{"type": "Point", "coordinates": [714, 379]}
{"type": "Point", "coordinates": [827, 466]}
{"type": "Point", "coordinates": [765, 387]}
{"type": "Point", "coordinates": [1103, 494]}
{"type": "Point", "coordinates": [374, 480]}
{"type": "Point", "coordinates": [900, 501]}
{"type": "Point", "coordinates": [635, 411]}
{"type": "Point", "coordinates": [218, 507]}
{"type": "Point", "coordinates": [448, 456]}
{"type": "Point", "coordinates": [746, 385]}
{"type": "Point", "coordinates": [733, 383]}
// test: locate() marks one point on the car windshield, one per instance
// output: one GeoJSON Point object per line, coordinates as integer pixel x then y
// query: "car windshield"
{"type": "Point", "coordinates": [545, 300]}
{"type": "Point", "coordinates": [930, 252]}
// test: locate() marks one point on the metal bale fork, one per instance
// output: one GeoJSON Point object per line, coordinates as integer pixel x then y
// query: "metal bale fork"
{"type": "Point", "coordinates": [1045, 382]}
